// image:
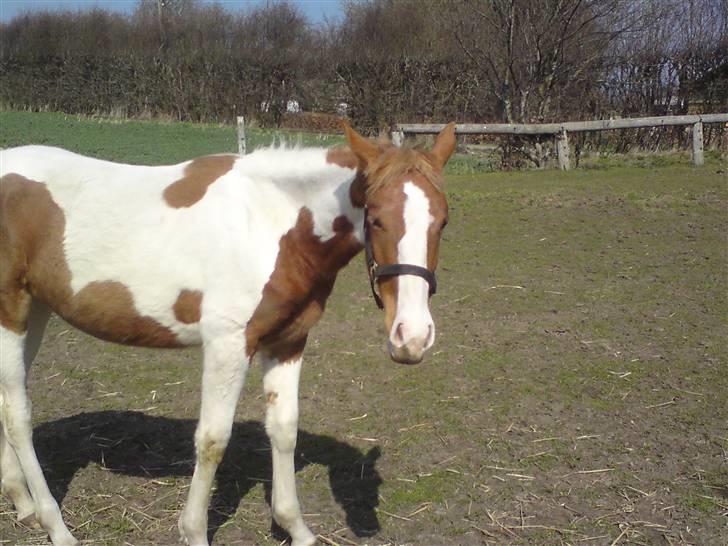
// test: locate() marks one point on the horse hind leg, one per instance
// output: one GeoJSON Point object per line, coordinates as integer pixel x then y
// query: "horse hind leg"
{"type": "Point", "coordinates": [21, 328]}
{"type": "Point", "coordinates": [12, 479]}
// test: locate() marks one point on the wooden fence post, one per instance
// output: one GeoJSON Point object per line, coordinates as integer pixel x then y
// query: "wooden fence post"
{"type": "Point", "coordinates": [562, 150]}
{"type": "Point", "coordinates": [698, 157]}
{"type": "Point", "coordinates": [397, 138]}
{"type": "Point", "coordinates": [242, 144]}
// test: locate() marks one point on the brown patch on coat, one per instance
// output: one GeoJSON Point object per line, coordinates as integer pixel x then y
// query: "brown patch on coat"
{"type": "Point", "coordinates": [199, 174]}
{"type": "Point", "coordinates": [295, 295]}
{"type": "Point", "coordinates": [32, 226]}
{"type": "Point", "coordinates": [106, 310]}
{"type": "Point", "coordinates": [187, 307]}
{"type": "Point", "coordinates": [14, 298]}
{"type": "Point", "coordinates": [386, 207]}
{"type": "Point", "coordinates": [271, 398]}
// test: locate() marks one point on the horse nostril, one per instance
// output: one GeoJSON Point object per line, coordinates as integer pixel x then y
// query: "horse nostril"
{"type": "Point", "coordinates": [399, 334]}
{"type": "Point", "coordinates": [430, 335]}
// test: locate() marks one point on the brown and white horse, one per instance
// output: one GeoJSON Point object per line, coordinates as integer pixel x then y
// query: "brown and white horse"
{"type": "Point", "coordinates": [238, 254]}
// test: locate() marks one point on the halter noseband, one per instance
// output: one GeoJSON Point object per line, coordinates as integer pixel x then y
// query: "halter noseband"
{"type": "Point", "coordinates": [391, 270]}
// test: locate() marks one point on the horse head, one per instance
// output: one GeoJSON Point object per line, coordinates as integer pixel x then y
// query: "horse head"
{"type": "Point", "coordinates": [401, 190]}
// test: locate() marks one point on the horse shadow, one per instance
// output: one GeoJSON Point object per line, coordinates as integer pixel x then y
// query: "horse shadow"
{"type": "Point", "coordinates": [135, 444]}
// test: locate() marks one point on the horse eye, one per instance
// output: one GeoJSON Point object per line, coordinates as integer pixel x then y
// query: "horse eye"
{"type": "Point", "coordinates": [377, 223]}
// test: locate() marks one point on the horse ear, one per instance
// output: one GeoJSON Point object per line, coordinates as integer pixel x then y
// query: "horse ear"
{"type": "Point", "coordinates": [444, 145]}
{"type": "Point", "coordinates": [364, 149]}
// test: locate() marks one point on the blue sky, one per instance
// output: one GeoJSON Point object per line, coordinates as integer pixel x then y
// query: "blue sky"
{"type": "Point", "coordinates": [315, 10]}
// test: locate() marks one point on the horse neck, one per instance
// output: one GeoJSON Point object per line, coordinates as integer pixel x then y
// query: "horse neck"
{"type": "Point", "coordinates": [307, 179]}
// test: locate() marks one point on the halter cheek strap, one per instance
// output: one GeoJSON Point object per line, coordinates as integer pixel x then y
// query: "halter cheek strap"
{"type": "Point", "coordinates": [391, 270]}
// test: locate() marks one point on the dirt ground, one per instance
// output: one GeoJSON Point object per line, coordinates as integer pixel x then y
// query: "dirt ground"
{"type": "Point", "coordinates": [576, 393]}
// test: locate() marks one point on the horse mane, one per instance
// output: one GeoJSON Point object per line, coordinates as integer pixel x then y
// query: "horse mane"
{"type": "Point", "coordinates": [394, 163]}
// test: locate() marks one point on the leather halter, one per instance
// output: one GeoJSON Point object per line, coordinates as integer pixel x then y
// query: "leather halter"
{"type": "Point", "coordinates": [391, 270]}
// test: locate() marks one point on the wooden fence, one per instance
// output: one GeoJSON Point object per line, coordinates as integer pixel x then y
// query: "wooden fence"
{"type": "Point", "coordinates": [242, 141]}
{"type": "Point", "coordinates": [560, 131]}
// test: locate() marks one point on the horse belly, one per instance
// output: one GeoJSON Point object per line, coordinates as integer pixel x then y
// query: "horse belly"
{"type": "Point", "coordinates": [150, 296]}
{"type": "Point", "coordinates": [164, 313]}
{"type": "Point", "coordinates": [106, 310]}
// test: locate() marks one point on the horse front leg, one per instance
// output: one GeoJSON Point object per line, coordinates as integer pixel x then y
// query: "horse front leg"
{"type": "Point", "coordinates": [224, 369]}
{"type": "Point", "coordinates": [280, 384]}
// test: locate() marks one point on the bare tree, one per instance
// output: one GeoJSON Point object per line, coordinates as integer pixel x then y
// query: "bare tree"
{"type": "Point", "coordinates": [388, 60]}
{"type": "Point", "coordinates": [395, 61]}
{"type": "Point", "coordinates": [535, 56]}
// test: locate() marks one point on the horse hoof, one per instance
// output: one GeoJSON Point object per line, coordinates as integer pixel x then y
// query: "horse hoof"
{"type": "Point", "coordinates": [186, 541]}
{"type": "Point", "coordinates": [307, 541]}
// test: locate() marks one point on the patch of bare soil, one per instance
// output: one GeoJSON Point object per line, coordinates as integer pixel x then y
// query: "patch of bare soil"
{"type": "Point", "coordinates": [576, 393]}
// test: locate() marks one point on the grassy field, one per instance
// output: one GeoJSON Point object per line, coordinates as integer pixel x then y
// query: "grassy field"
{"type": "Point", "coordinates": [576, 393]}
{"type": "Point", "coordinates": [146, 142]}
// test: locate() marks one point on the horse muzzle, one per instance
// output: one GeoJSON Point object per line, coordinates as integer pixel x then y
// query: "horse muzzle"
{"type": "Point", "coordinates": [409, 347]}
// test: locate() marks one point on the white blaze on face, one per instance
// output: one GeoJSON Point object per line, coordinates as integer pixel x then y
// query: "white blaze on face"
{"type": "Point", "coordinates": [412, 330]}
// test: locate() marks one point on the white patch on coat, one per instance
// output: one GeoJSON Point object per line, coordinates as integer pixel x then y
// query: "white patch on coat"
{"type": "Point", "coordinates": [413, 311]}
{"type": "Point", "coordinates": [306, 177]}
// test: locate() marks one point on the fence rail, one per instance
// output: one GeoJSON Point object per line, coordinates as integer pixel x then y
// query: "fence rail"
{"type": "Point", "coordinates": [560, 130]}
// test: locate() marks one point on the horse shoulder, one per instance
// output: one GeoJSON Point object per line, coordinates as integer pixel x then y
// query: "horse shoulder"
{"type": "Point", "coordinates": [295, 295]}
